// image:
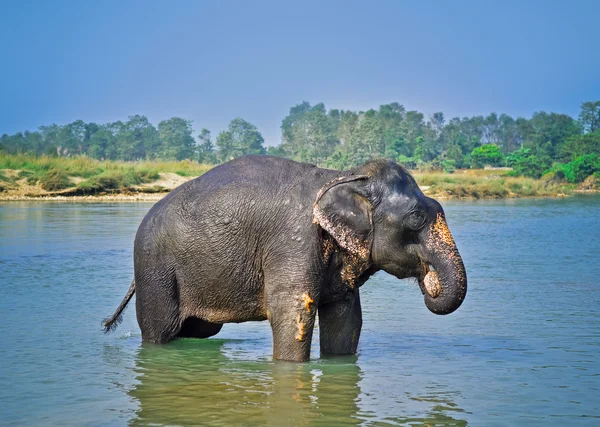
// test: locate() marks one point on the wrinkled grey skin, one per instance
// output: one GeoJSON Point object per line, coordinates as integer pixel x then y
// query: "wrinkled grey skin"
{"type": "Point", "coordinates": [264, 238]}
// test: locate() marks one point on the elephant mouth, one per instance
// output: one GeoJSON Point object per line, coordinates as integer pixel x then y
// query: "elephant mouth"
{"type": "Point", "coordinates": [429, 281]}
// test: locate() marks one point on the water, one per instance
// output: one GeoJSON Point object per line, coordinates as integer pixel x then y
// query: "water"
{"type": "Point", "coordinates": [522, 350]}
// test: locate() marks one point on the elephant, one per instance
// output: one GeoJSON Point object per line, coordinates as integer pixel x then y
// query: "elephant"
{"type": "Point", "coordinates": [266, 238]}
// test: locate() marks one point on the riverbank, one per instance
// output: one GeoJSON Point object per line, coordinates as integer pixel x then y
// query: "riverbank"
{"type": "Point", "coordinates": [83, 179]}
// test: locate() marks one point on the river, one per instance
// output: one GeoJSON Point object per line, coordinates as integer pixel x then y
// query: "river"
{"type": "Point", "coordinates": [524, 348]}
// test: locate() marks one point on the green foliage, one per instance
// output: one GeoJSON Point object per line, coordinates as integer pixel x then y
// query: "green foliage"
{"type": "Point", "coordinates": [333, 138]}
{"type": "Point", "coordinates": [525, 163]}
{"type": "Point", "coordinates": [488, 154]}
{"type": "Point", "coordinates": [590, 116]}
{"type": "Point", "coordinates": [579, 145]}
{"type": "Point", "coordinates": [55, 180]}
{"type": "Point", "coordinates": [176, 140]}
{"type": "Point", "coordinates": [407, 162]}
{"type": "Point", "coordinates": [241, 138]}
{"type": "Point", "coordinates": [556, 174]}
{"type": "Point", "coordinates": [5, 182]}
{"type": "Point", "coordinates": [100, 176]}
{"type": "Point", "coordinates": [206, 149]}
{"type": "Point", "coordinates": [448, 166]}
{"type": "Point", "coordinates": [310, 133]}
{"type": "Point", "coordinates": [118, 177]}
{"type": "Point", "coordinates": [4, 177]}
{"type": "Point", "coordinates": [486, 184]}
{"type": "Point", "coordinates": [582, 167]}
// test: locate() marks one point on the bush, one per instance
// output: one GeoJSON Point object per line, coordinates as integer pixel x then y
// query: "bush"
{"type": "Point", "coordinates": [556, 174]}
{"type": "Point", "coordinates": [525, 163]}
{"type": "Point", "coordinates": [582, 167]}
{"type": "Point", "coordinates": [55, 180]}
{"type": "Point", "coordinates": [448, 166]}
{"type": "Point", "coordinates": [115, 178]}
{"type": "Point", "coordinates": [487, 154]}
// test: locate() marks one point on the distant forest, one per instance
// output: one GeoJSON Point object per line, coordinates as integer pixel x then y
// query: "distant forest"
{"type": "Point", "coordinates": [341, 139]}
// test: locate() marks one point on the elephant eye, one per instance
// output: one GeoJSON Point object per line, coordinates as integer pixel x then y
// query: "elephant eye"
{"type": "Point", "coordinates": [414, 220]}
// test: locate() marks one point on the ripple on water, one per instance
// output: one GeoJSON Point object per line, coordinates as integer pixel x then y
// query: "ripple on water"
{"type": "Point", "coordinates": [522, 350]}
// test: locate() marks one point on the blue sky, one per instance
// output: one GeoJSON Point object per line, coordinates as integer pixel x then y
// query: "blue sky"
{"type": "Point", "coordinates": [213, 61]}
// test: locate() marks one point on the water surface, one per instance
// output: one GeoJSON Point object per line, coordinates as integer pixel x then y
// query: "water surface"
{"type": "Point", "coordinates": [522, 350]}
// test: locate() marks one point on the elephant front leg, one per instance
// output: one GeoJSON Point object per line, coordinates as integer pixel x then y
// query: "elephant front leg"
{"type": "Point", "coordinates": [340, 323]}
{"type": "Point", "coordinates": [292, 321]}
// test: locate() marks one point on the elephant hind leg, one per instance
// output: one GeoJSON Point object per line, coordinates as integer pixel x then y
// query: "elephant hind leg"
{"type": "Point", "coordinates": [193, 327]}
{"type": "Point", "coordinates": [157, 305]}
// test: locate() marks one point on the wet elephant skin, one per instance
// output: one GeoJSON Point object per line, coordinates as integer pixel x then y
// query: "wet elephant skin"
{"type": "Point", "coordinates": [265, 238]}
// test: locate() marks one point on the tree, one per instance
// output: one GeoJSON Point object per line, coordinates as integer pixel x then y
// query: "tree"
{"type": "Point", "coordinates": [206, 150]}
{"type": "Point", "coordinates": [579, 145]}
{"type": "Point", "coordinates": [103, 144]}
{"type": "Point", "coordinates": [548, 131]}
{"type": "Point", "coordinates": [370, 134]}
{"type": "Point", "coordinates": [177, 142]}
{"type": "Point", "coordinates": [310, 134]}
{"type": "Point", "coordinates": [509, 137]}
{"type": "Point", "coordinates": [428, 146]}
{"type": "Point", "coordinates": [411, 128]}
{"type": "Point", "coordinates": [582, 167]}
{"type": "Point", "coordinates": [137, 138]}
{"type": "Point", "coordinates": [487, 154]}
{"type": "Point", "coordinates": [590, 116]}
{"type": "Point", "coordinates": [241, 138]}
{"type": "Point", "coordinates": [491, 130]}
{"type": "Point", "coordinates": [525, 163]}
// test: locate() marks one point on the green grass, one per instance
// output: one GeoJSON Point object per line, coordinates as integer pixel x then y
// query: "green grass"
{"type": "Point", "coordinates": [98, 177]}
{"type": "Point", "coordinates": [487, 184]}
{"type": "Point", "coordinates": [53, 173]}
{"type": "Point", "coordinates": [55, 180]}
{"type": "Point", "coordinates": [6, 182]}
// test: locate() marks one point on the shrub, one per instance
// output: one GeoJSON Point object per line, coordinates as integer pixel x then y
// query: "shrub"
{"type": "Point", "coordinates": [54, 180]}
{"type": "Point", "coordinates": [582, 167]}
{"type": "Point", "coordinates": [448, 166]}
{"type": "Point", "coordinates": [525, 163]}
{"type": "Point", "coordinates": [4, 178]}
{"type": "Point", "coordinates": [556, 174]}
{"type": "Point", "coordinates": [487, 154]}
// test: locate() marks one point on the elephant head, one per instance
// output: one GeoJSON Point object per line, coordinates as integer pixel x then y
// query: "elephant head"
{"type": "Point", "coordinates": [379, 215]}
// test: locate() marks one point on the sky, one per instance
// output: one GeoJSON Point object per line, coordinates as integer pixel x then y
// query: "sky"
{"type": "Point", "coordinates": [212, 61]}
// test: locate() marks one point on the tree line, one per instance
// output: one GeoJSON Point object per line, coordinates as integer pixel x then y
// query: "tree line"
{"type": "Point", "coordinates": [339, 139]}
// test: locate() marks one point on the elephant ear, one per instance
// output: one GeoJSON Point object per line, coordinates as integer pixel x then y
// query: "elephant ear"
{"type": "Point", "coordinates": [345, 213]}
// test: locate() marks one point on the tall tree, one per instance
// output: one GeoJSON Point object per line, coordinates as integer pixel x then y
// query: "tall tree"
{"type": "Point", "coordinates": [310, 133]}
{"type": "Point", "coordinates": [548, 131]}
{"type": "Point", "coordinates": [103, 144]}
{"type": "Point", "coordinates": [137, 138]}
{"type": "Point", "coordinates": [590, 116]}
{"type": "Point", "coordinates": [240, 138]}
{"type": "Point", "coordinates": [206, 149]}
{"type": "Point", "coordinates": [177, 142]}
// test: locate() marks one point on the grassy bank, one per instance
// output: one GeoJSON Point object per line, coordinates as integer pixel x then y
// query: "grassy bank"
{"type": "Point", "coordinates": [23, 176]}
{"type": "Point", "coordinates": [81, 176]}
{"type": "Point", "coordinates": [489, 184]}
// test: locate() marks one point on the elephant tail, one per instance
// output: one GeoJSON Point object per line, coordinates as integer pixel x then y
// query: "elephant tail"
{"type": "Point", "coordinates": [111, 323]}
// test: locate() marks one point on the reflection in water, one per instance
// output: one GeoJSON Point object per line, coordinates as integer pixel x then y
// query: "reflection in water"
{"type": "Point", "coordinates": [192, 382]}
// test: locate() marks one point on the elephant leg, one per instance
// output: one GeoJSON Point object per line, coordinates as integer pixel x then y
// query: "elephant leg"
{"type": "Point", "coordinates": [339, 325]}
{"type": "Point", "coordinates": [157, 307]}
{"type": "Point", "coordinates": [193, 327]}
{"type": "Point", "coordinates": [292, 318]}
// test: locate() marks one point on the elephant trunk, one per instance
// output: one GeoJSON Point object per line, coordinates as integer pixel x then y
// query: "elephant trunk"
{"type": "Point", "coordinates": [445, 287]}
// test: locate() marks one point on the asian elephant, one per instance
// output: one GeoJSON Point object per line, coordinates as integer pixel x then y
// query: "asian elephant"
{"type": "Point", "coordinates": [265, 238]}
